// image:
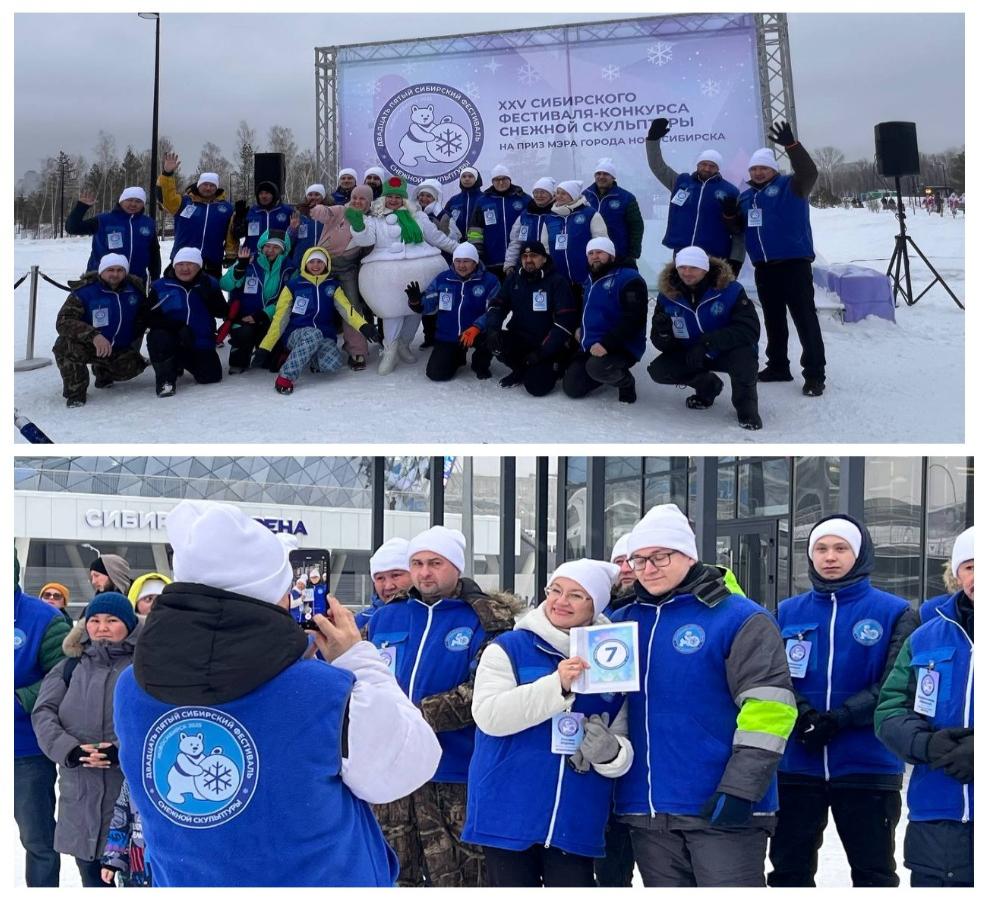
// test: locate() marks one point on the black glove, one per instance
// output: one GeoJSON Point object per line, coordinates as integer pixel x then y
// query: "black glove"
{"type": "Point", "coordinates": [111, 754]}
{"type": "Point", "coordinates": [261, 359]}
{"type": "Point", "coordinates": [727, 811]}
{"type": "Point", "coordinates": [730, 207]}
{"type": "Point", "coordinates": [494, 342]}
{"type": "Point", "coordinates": [240, 210]}
{"type": "Point", "coordinates": [781, 133]}
{"type": "Point", "coordinates": [657, 129]}
{"type": "Point", "coordinates": [943, 741]}
{"type": "Point", "coordinates": [533, 358]}
{"type": "Point", "coordinates": [370, 333]}
{"type": "Point", "coordinates": [413, 295]}
{"type": "Point", "coordinates": [958, 763]}
{"type": "Point", "coordinates": [185, 337]}
{"type": "Point", "coordinates": [76, 756]}
{"type": "Point", "coordinates": [816, 730]}
{"type": "Point", "coordinates": [696, 355]}
{"type": "Point", "coordinates": [241, 267]}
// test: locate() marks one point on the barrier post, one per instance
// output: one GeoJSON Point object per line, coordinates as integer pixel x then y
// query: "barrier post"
{"type": "Point", "coordinates": [31, 361]}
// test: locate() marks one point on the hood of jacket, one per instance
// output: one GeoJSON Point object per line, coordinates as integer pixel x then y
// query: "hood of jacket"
{"type": "Point", "coordinates": [118, 571]}
{"type": "Point", "coordinates": [478, 186]}
{"type": "Point", "coordinates": [77, 643]}
{"type": "Point", "coordinates": [135, 592]}
{"type": "Point", "coordinates": [538, 624]}
{"type": "Point", "coordinates": [202, 645]}
{"type": "Point", "coordinates": [496, 610]}
{"type": "Point", "coordinates": [706, 583]}
{"type": "Point", "coordinates": [570, 208]}
{"type": "Point", "coordinates": [272, 189]}
{"type": "Point", "coordinates": [314, 279]}
{"type": "Point", "coordinates": [537, 210]}
{"type": "Point", "coordinates": [863, 566]}
{"type": "Point", "coordinates": [263, 261]}
{"type": "Point", "coordinates": [719, 275]}
{"type": "Point", "coordinates": [92, 277]}
{"type": "Point", "coordinates": [515, 190]}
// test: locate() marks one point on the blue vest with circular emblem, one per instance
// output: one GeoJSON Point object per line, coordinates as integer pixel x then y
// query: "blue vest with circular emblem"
{"type": "Point", "coordinates": [499, 213]}
{"type": "Point", "coordinates": [460, 208]}
{"type": "Point", "coordinates": [713, 311]}
{"type": "Point", "coordinates": [118, 232]}
{"type": "Point", "coordinates": [612, 208]}
{"type": "Point", "coordinates": [697, 221]}
{"type": "Point", "coordinates": [260, 220]}
{"type": "Point", "coordinates": [202, 225]}
{"type": "Point", "coordinates": [856, 625]}
{"type": "Point", "coordinates": [305, 236]}
{"type": "Point", "coordinates": [602, 310]}
{"type": "Point", "coordinates": [520, 792]}
{"type": "Point", "coordinates": [942, 644]}
{"type": "Point", "coordinates": [261, 773]}
{"type": "Point", "coordinates": [461, 302]}
{"type": "Point", "coordinates": [313, 306]}
{"type": "Point", "coordinates": [435, 649]}
{"type": "Point", "coordinates": [31, 619]}
{"type": "Point", "coordinates": [530, 226]}
{"type": "Point", "coordinates": [184, 303]}
{"type": "Point", "coordinates": [684, 706]}
{"type": "Point", "coordinates": [571, 260]}
{"type": "Point", "coordinates": [784, 231]}
{"type": "Point", "coordinates": [113, 313]}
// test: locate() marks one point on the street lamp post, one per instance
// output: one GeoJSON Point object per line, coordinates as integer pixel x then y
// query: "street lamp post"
{"type": "Point", "coordinates": [156, 116]}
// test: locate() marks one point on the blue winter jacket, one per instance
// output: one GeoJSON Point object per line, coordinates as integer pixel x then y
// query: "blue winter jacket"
{"type": "Point", "coordinates": [682, 721]}
{"type": "Point", "coordinates": [602, 310]}
{"type": "Point", "coordinates": [306, 236]}
{"type": "Point", "coordinates": [461, 207]}
{"type": "Point", "coordinates": [573, 232]}
{"type": "Point", "coordinates": [364, 615]}
{"type": "Point", "coordinates": [459, 302]}
{"type": "Point", "coordinates": [202, 225]}
{"type": "Point", "coordinates": [437, 647]}
{"type": "Point", "coordinates": [493, 220]}
{"type": "Point", "coordinates": [225, 770]}
{"type": "Point", "coordinates": [784, 232]}
{"type": "Point", "coordinates": [612, 207]}
{"type": "Point", "coordinates": [520, 792]}
{"type": "Point", "coordinates": [932, 603]}
{"type": "Point", "coordinates": [943, 644]}
{"type": "Point", "coordinates": [188, 303]}
{"type": "Point", "coordinates": [261, 220]}
{"type": "Point", "coordinates": [132, 236]}
{"type": "Point", "coordinates": [714, 311]}
{"type": "Point", "coordinates": [849, 632]}
{"type": "Point", "coordinates": [112, 312]}
{"type": "Point", "coordinates": [696, 220]}
{"type": "Point", "coordinates": [313, 305]}
{"type": "Point", "coordinates": [31, 618]}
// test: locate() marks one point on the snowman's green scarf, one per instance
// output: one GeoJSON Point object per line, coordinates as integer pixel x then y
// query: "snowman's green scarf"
{"type": "Point", "coordinates": [411, 232]}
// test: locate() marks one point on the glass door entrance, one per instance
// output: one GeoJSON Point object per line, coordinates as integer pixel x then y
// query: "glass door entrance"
{"type": "Point", "coordinates": [750, 549]}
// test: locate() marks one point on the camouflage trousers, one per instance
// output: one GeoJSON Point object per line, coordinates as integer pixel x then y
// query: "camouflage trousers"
{"type": "Point", "coordinates": [425, 829]}
{"type": "Point", "coordinates": [72, 358]}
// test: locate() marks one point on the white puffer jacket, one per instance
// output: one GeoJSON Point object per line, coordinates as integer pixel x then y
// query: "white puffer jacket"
{"type": "Point", "coordinates": [383, 233]}
{"type": "Point", "coordinates": [500, 706]}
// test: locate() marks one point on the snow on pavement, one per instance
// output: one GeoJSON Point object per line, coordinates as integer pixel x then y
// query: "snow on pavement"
{"type": "Point", "coordinates": [886, 382]}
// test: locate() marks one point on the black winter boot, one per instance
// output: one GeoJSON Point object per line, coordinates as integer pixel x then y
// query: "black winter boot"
{"type": "Point", "coordinates": [769, 374]}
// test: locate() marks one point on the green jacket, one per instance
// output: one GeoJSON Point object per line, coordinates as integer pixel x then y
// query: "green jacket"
{"type": "Point", "coordinates": [49, 655]}
{"type": "Point", "coordinates": [272, 272]}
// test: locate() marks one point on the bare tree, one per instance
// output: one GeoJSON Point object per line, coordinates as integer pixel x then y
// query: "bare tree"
{"type": "Point", "coordinates": [827, 160]}
{"type": "Point", "coordinates": [281, 140]}
{"type": "Point", "coordinates": [213, 160]}
{"type": "Point", "coordinates": [246, 146]}
{"type": "Point", "coordinates": [300, 172]}
{"type": "Point", "coordinates": [106, 161]}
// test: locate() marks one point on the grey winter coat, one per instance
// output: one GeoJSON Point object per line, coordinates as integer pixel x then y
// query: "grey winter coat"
{"type": "Point", "coordinates": [81, 713]}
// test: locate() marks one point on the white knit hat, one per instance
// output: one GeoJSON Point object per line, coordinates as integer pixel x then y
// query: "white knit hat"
{"type": "Point", "coordinates": [377, 171]}
{"type": "Point", "coordinates": [431, 185]}
{"type": "Point", "coordinates": [594, 576]}
{"type": "Point", "coordinates": [763, 157]}
{"type": "Point", "coordinates": [112, 259]}
{"type": "Point", "coordinates": [316, 189]}
{"type": "Point", "coordinates": [500, 171]}
{"type": "Point", "coordinates": [712, 156]}
{"type": "Point", "coordinates": [545, 184]}
{"type": "Point", "coordinates": [189, 254]}
{"type": "Point", "coordinates": [133, 193]}
{"type": "Point", "coordinates": [692, 256]}
{"type": "Point", "coordinates": [317, 254]}
{"type": "Point", "coordinates": [208, 178]}
{"type": "Point", "coordinates": [572, 187]}
{"type": "Point", "coordinates": [391, 555]}
{"type": "Point", "coordinates": [601, 243]}
{"type": "Point", "coordinates": [664, 526]}
{"type": "Point", "coordinates": [465, 250]}
{"type": "Point", "coordinates": [347, 171]}
{"type": "Point", "coordinates": [219, 545]}
{"type": "Point", "coordinates": [841, 528]}
{"type": "Point", "coordinates": [620, 548]}
{"type": "Point", "coordinates": [605, 165]}
{"type": "Point", "coordinates": [471, 169]}
{"type": "Point", "coordinates": [445, 542]}
{"type": "Point", "coordinates": [962, 551]}
{"type": "Point", "coordinates": [151, 587]}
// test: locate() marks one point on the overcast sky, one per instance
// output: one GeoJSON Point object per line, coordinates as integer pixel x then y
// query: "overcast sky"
{"type": "Point", "coordinates": [850, 71]}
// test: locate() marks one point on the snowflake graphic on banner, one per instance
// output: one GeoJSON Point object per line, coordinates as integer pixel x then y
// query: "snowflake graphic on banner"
{"type": "Point", "coordinates": [449, 142]}
{"type": "Point", "coordinates": [660, 54]}
{"type": "Point", "coordinates": [610, 73]}
{"type": "Point", "coordinates": [710, 88]}
{"type": "Point", "coordinates": [218, 778]}
{"type": "Point", "coordinates": [528, 74]}
{"type": "Point", "coordinates": [493, 65]}
{"type": "Point", "coordinates": [372, 88]}
{"type": "Point", "coordinates": [471, 89]}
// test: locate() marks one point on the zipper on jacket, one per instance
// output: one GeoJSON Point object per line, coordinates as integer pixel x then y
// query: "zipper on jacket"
{"type": "Point", "coordinates": [699, 306]}
{"type": "Point", "coordinates": [645, 688]}
{"type": "Point", "coordinates": [121, 314]}
{"type": "Point", "coordinates": [697, 214]}
{"type": "Point", "coordinates": [131, 243]}
{"type": "Point", "coordinates": [829, 684]}
{"type": "Point", "coordinates": [420, 650]}
{"type": "Point", "coordinates": [968, 701]}
{"type": "Point", "coordinates": [204, 229]}
{"type": "Point", "coordinates": [583, 312]}
{"type": "Point", "coordinates": [555, 809]}
{"type": "Point", "coordinates": [316, 314]}
{"type": "Point", "coordinates": [760, 240]}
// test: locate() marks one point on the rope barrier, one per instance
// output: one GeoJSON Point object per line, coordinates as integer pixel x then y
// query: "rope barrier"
{"type": "Point", "coordinates": [61, 287]}
{"type": "Point", "coordinates": [20, 280]}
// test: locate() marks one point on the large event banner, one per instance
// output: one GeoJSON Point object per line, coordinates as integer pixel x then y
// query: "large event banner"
{"type": "Point", "coordinates": [554, 101]}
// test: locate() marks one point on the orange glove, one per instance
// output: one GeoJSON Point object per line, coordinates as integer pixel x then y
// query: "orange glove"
{"type": "Point", "coordinates": [469, 336]}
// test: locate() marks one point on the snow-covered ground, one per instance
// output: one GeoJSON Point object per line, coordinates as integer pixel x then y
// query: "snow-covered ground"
{"type": "Point", "coordinates": [886, 382]}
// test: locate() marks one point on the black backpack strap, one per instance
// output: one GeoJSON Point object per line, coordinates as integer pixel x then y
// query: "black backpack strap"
{"type": "Point", "coordinates": [69, 669]}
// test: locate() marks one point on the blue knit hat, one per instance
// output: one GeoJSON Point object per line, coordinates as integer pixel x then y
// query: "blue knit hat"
{"type": "Point", "coordinates": [112, 603]}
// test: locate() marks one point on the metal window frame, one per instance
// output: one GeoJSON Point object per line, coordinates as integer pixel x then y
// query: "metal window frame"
{"type": "Point", "coordinates": [542, 524]}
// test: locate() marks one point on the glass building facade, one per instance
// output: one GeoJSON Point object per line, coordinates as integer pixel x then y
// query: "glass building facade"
{"type": "Point", "coordinates": [752, 514]}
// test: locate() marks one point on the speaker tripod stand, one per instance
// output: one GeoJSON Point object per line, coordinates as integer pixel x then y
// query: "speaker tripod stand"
{"type": "Point", "coordinates": [901, 260]}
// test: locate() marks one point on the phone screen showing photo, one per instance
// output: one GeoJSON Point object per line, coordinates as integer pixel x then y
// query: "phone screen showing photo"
{"type": "Point", "coordinates": [310, 583]}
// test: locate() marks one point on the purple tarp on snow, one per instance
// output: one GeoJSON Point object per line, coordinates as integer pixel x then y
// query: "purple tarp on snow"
{"type": "Point", "coordinates": [863, 291]}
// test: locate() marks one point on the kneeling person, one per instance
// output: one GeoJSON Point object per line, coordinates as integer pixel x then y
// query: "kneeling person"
{"type": "Point", "coordinates": [98, 324]}
{"type": "Point", "coordinates": [458, 297]}
{"type": "Point", "coordinates": [704, 323]}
